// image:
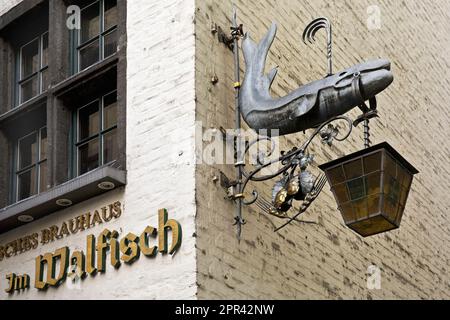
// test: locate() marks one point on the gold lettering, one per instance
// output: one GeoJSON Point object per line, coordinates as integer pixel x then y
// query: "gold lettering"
{"type": "Point", "coordinates": [96, 219]}
{"type": "Point", "coordinates": [143, 243]}
{"type": "Point", "coordinates": [90, 255]}
{"type": "Point", "coordinates": [11, 280]}
{"type": "Point", "coordinates": [117, 209]}
{"type": "Point", "coordinates": [49, 259]}
{"type": "Point", "coordinates": [34, 240]}
{"type": "Point", "coordinates": [115, 250]}
{"type": "Point", "coordinates": [22, 282]}
{"type": "Point", "coordinates": [39, 282]}
{"type": "Point", "coordinates": [102, 247]}
{"type": "Point", "coordinates": [17, 282]}
{"type": "Point", "coordinates": [54, 233]}
{"type": "Point", "coordinates": [64, 231]}
{"type": "Point", "coordinates": [77, 265]}
{"type": "Point", "coordinates": [8, 253]}
{"type": "Point", "coordinates": [74, 226]}
{"type": "Point", "coordinates": [130, 248]}
{"type": "Point", "coordinates": [164, 226]}
{"type": "Point", "coordinates": [45, 236]}
{"type": "Point", "coordinates": [84, 221]}
{"type": "Point", "coordinates": [105, 215]}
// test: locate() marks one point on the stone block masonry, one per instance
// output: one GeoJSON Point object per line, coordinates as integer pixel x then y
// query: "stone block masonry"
{"type": "Point", "coordinates": [327, 260]}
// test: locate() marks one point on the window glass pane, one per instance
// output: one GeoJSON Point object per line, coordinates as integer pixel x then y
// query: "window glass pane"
{"type": "Point", "coordinates": [110, 111]}
{"type": "Point", "coordinates": [353, 169]}
{"type": "Point", "coordinates": [44, 80]}
{"type": "Point", "coordinates": [27, 184]}
{"type": "Point", "coordinates": [110, 44]}
{"type": "Point", "coordinates": [43, 155]}
{"type": "Point", "coordinates": [110, 146]}
{"type": "Point", "coordinates": [89, 55]}
{"type": "Point", "coordinates": [27, 151]}
{"type": "Point", "coordinates": [90, 22]}
{"type": "Point", "coordinates": [44, 50]}
{"type": "Point", "coordinates": [43, 176]}
{"type": "Point", "coordinates": [89, 121]}
{"type": "Point", "coordinates": [372, 163]}
{"type": "Point", "coordinates": [110, 14]}
{"type": "Point", "coordinates": [88, 157]}
{"type": "Point", "coordinates": [30, 59]}
{"type": "Point", "coordinates": [29, 89]}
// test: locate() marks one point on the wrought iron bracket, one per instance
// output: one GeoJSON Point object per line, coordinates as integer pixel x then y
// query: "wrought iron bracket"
{"type": "Point", "coordinates": [228, 39]}
{"type": "Point", "coordinates": [296, 182]}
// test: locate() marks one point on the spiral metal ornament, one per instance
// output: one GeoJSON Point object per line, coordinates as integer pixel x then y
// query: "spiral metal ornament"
{"type": "Point", "coordinates": [310, 33]}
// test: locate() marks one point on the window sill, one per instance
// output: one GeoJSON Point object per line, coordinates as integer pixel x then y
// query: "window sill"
{"type": "Point", "coordinates": [77, 190]}
{"type": "Point", "coordinates": [30, 105]}
{"type": "Point", "coordinates": [84, 76]}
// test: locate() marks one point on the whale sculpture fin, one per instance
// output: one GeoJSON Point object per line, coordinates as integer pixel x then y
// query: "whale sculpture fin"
{"type": "Point", "coordinates": [249, 48]}
{"type": "Point", "coordinates": [271, 76]}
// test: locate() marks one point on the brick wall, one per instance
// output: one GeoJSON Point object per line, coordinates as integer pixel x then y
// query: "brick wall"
{"type": "Point", "coordinates": [327, 260]}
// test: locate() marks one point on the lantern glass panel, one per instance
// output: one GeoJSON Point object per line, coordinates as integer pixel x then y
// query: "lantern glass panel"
{"type": "Point", "coordinates": [390, 208]}
{"type": "Point", "coordinates": [399, 215]}
{"type": "Point", "coordinates": [353, 169]}
{"type": "Point", "coordinates": [392, 188]}
{"type": "Point", "coordinates": [360, 208]}
{"type": "Point", "coordinates": [372, 163]}
{"type": "Point", "coordinates": [356, 188]}
{"type": "Point", "coordinates": [404, 177]}
{"type": "Point", "coordinates": [373, 185]}
{"type": "Point", "coordinates": [390, 166]}
{"type": "Point", "coordinates": [347, 212]}
{"type": "Point", "coordinates": [341, 193]}
{"type": "Point", "coordinates": [373, 204]}
{"type": "Point", "coordinates": [336, 176]}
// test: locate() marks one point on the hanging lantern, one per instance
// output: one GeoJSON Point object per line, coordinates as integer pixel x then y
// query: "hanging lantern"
{"type": "Point", "coordinates": [371, 188]}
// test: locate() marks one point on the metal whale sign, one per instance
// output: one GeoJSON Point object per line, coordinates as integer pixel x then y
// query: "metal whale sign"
{"type": "Point", "coordinates": [310, 105]}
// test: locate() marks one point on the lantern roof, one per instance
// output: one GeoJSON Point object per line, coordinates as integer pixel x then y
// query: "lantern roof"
{"type": "Point", "coordinates": [363, 152]}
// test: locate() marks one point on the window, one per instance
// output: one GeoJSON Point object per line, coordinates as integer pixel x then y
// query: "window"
{"type": "Point", "coordinates": [96, 143]}
{"type": "Point", "coordinates": [31, 167]}
{"type": "Point", "coordinates": [33, 68]}
{"type": "Point", "coordinates": [97, 38]}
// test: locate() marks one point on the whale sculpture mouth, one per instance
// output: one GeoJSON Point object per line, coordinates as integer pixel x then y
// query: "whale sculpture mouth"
{"type": "Point", "coordinates": [374, 81]}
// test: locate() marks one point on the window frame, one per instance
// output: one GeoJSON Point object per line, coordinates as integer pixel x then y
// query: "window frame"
{"type": "Point", "coordinates": [36, 164]}
{"type": "Point", "coordinates": [38, 74]}
{"type": "Point", "coordinates": [100, 38]}
{"type": "Point", "coordinates": [77, 143]}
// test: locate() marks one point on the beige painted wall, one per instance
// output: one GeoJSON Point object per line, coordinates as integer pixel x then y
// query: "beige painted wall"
{"type": "Point", "coordinates": [328, 260]}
